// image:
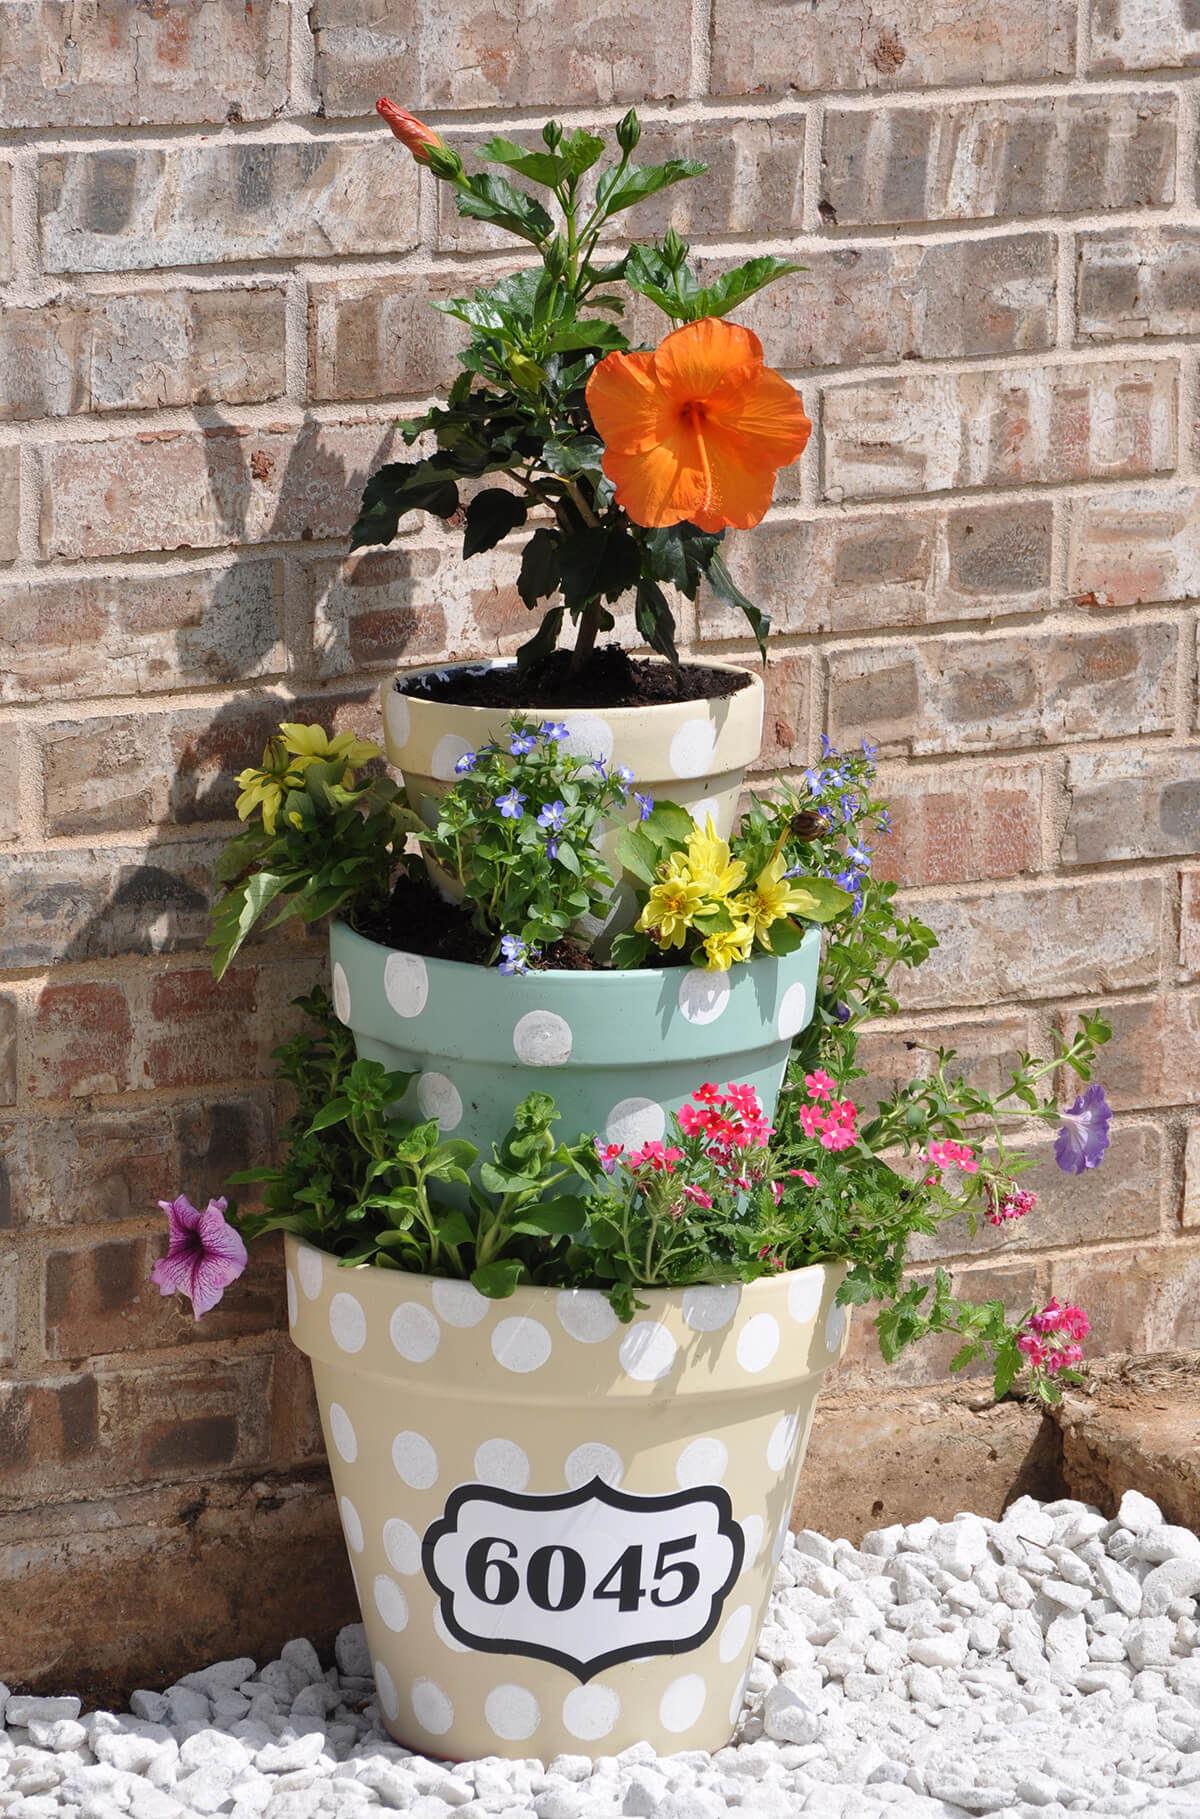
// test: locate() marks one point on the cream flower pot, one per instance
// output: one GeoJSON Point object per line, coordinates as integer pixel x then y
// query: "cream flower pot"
{"type": "Point", "coordinates": [563, 1530]}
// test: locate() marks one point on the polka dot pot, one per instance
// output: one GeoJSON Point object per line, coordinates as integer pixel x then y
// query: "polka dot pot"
{"type": "Point", "coordinates": [619, 1051]}
{"type": "Point", "coordinates": [562, 1529]}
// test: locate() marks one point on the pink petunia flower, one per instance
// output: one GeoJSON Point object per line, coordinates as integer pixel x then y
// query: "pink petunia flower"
{"type": "Point", "coordinates": [204, 1254]}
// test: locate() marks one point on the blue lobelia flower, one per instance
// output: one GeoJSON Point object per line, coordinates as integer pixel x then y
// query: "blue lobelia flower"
{"type": "Point", "coordinates": [554, 730]}
{"type": "Point", "coordinates": [553, 817]}
{"type": "Point", "coordinates": [465, 763]}
{"type": "Point", "coordinates": [883, 821]}
{"type": "Point", "coordinates": [645, 804]}
{"type": "Point", "coordinates": [869, 750]}
{"type": "Point", "coordinates": [859, 856]}
{"type": "Point", "coordinates": [516, 955]}
{"type": "Point", "coordinates": [1083, 1137]}
{"type": "Point", "coordinates": [622, 774]}
{"type": "Point", "coordinates": [849, 880]}
{"type": "Point", "coordinates": [510, 805]}
{"type": "Point", "coordinates": [520, 743]}
{"type": "Point", "coordinates": [828, 748]}
{"type": "Point", "coordinates": [814, 781]}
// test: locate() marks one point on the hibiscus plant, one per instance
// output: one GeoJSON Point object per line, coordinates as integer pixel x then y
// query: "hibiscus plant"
{"type": "Point", "coordinates": [630, 464]}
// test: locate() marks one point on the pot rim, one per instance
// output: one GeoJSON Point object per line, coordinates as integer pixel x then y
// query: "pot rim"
{"type": "Point", "coordinates": [482, 666]}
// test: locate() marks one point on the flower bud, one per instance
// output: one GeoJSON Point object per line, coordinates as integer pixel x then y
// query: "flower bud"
{"type": "Point", "coordinates": [555, 256]}
{"type": "Point", "coordinates": [675, 250]}
{"type": "Point", "coordinates": [412, 133]}
{"type": "Point", "coordinates": [552, 133]}
{"type": "Point", "coordinates": [629, 131]}
{"type": "Point", "coordinates": [525, 373]}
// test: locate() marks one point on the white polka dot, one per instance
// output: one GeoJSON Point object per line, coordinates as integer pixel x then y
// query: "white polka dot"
{"type": "Point", "coordinates": [591, 1712]}
{"type": "Point", "coordinates": [804, 1293]}
{"type": "Point", "coordinates": [709, 1308]}
{"type": "Point", "coordinates": [341, 992]}
{"type": "Point", "coordinates": [415, 1460]}
{"type": "Point", "coordinates": [682, 1703]}
{"type": "Point", "coordinates": [385, 1686]}
{"type": "Point", "coordinates": [692, 748]}
{"type": "Point", "coordinates": [782, 1442]}
{"type": "Point", "coordinates": [512, 1712]}
{"type": "Point", "coordinates": [588, 736]}
{"type": "Point", "coordinates": [585, 1314]}
{"type": "Point", "coordinates": [634, 1122]}
{"type": "Point", "coordinates": [752, 1529]}
{"type": "Point", "coordinates": [734, 1631]}
{"type": "Point", "coordinates": [793, 1011]}
{"type": "Point", "coordinates": [399, 717]}
{"type": "Point", "coordinates": [758, 1342]}
{"type": "Point", "coordinates": [308, 1264]}
{"type": "Point", "coordinates": [415, 1332]}
{"type": "Point", "coordinates": [446, 754]}
{"type": "Point", "coordinates": [835, 1327]}
{"type": "Point", "coordinates": [647, 1351]}
{"type": "Point", "coordinates": [444, 1637]}
{"type": "Point", "coordinates": [439, 1098]}
{"type": "Point", "coordinates": [402, 1545]}
{"type": "Point", "coordinates": [293, 1300]}
{"type": "Point", "coordinates": [342, 1429]}
{"type": "Point", "coordinates": [702, 1461]}
{"type": "Point", "coordinates": [542, 1039]}
{"type": "Point", "coordinates": [504, 1463]}
{"type": "Point", "coordinates": [460, 1303]}
{"type": "Point", "coordinates": [520, 1344]}
{"type": "Point", "coordinates": [739, 1698]}
{"type": "Point", "coordinates": [593, 1460]}
{"type": "Point", "coordinates": [406, 984]}
{"type": "Point", "coordinates": [352, 1525]}
{"type": "Point", "coordinates": [347, 1323]}
{"type": "Point", "coordinates": [390, 1602]}
{"type": "Point", "coordinates": [431, 1707]}
{"type": "Point", "coordinates": [708, 808]}
{"type": "Point", "coordinates": [702, 995]}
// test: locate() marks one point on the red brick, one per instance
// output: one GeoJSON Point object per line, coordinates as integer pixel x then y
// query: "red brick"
{"type": "Point", "coordinates": [9, 1267]}
{"type": "Point", "coordinates": [80, 1041]}
{"type": "Point", "coordinates": [755, 175]}
{"type": "Point", "coordinates": [135, 209]}
{"type": "Point", "coordinates": [381, 607]}
{"type": "Point", "coordinates": [1128, 34]}
{"type": "Point", "coordinates": [858, 571]}
{"type": "Point", "coordinates": [1154, 1056]}
{"type": "Point", "coordinates": [949, 826]}
{"type": "Point", "coordinates": [1138, 282]}
{"type": "Point", "coordinates": [921, 434]}
{"type": "Point", "coordinates": [203, 1030]}
{"type": "Point", "coordinates": [382, 338]}
{"type": "Point", "coordinates": [773, 47]}
{"type": "Point", "coordinates": [173, 489]}
{"type": "Point", "coordinates": [955, 694]}
{"type": "Point", "coordinates": [140, 634]}
{"type": "Point", "coordinates": [897, 1051]}
{"type": "Point", "coordinates": [1189, 922]}
{"type": "Point", "coordinates": [1136, 545]}
{"type": "Point", "coordinates": [785, 714]}
{"type": "Point", "coordinates": [1190, 1208]}
{"type": "Point", "coordinates": [533, 53]}
{"type": "Point", "coordinates": [1145, 1299]}
{"type": "Point", "coordinates": [1039, 941]}
{"type": "Point", "coordinates": [96, 904]}
{"type": "Point", "coordinates": [981, 160]}
{"type": "Point", "coordinates": [194, 60]}
{"type": "Point", "coordinates": [141, 352]}
{"type": "Point", "coordinates": [1131, 805]}
{"type": "Point", "coordinates": [10, 502]}
{"type": "Point", "coordinates": [8, 1052]}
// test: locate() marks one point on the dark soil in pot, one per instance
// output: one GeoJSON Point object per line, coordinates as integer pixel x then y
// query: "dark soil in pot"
{"type": "Point", "coordinates": [417, 920]}
{"type": "Point", "coordinates": [610, 678]}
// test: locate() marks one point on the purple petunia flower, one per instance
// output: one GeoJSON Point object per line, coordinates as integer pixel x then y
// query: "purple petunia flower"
{"type": "Point", "coordinates": [554, 730]}
{"type": "Point", "coordinates": [516, 955]}
{"type": "Point", "coordinates": [465, 763]}
{"type": "Point", "coordinates": [204, 1255]}
{"type": "Point", "coordinates": [520, 743]}
{"type": "Point", "coordinates": [1083, 1137]}
{"type": "Point", "coordinates": [510, 805]}
{"type": "Point", "coordinates": [645, 804]}
{"type": "Point", "coordinates": [553, 817]}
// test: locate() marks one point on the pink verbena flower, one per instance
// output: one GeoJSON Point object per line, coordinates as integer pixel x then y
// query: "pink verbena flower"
{"type": "Point", "coordinates": [696, 1195]}
{"type": "Point", "coordinates": [819, 1084]}
{"type": "Point", "coordinates": [204, 1254]}
{"type": "Point", "coordinates": [1050, 1337]}
{"type": "Point", "coordinates": [809, 1180]}
{"type": "Point", "coordinates": [957, 1155]}
{"type": "Point", "coordinates": [813, 1120]}
{"type": "Point", "coordinates": [1008, 1202]}
{"type": "Point", "coordinates": [837, 1137]}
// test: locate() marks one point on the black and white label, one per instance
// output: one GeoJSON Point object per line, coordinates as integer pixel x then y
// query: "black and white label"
{"type": "Point", "coordinates": [586, 1578]}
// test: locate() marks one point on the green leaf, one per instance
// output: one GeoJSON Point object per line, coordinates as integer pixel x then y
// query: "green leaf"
{"type": "Point", "coordinates": [655, 620]}
{"type": "Point", "coordinates": [334, 1112]}
{"type": "Point", "coordinates": [629, 950]}
{"type": "Point", "coordinates": [726, 589]}
{"type": "Point", "coordinates": [785, 937]}
{"type": "Point", "coordinates": [581, 454]}
{"type": "Point", "coordinates": [822, 899]}
{"type": "Point", "coordinates": [637, 853]}
{"type": "Point", "coordinates": [539, 574]}
{"type": "Point", "coordinates": [587, 334]}
{"type": "Point", "coordinates": [671, 824]}
{"type": "Point", "coordinates": [732, 288]}
{"type": "Point", "coordinates": [488, 198]}
{"type": "Point", "coordinates": [399, 487]}
{"type": "Point", "coordinates": [539, 167]}
{"type": "Point", "coordinates": [580, 150]}
{"type": "Point", "coordinates": [556, 1218]}
{"type": "Point", "coordinates": [681, 554]}
{"type": "Point", "coordinates": [454, 1227]}
{"type": "Point", "coordinates": [617, 190]}
{"type": "Point", "coordinates": [491, 514]}
{"type": "Point", "coordinates": [599, 560]}
{"type": "Point", "coordinates": [498, 1280]}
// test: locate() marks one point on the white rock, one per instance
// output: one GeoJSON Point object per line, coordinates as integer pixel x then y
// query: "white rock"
{"type": "Point", "coordinates": [351, 1652]}
{"type": "Point", "coordinates": [290, 1753]}
{"type": "Point", "coordinates": [22, 1708]}
{"type": "Point", "coordinates": [1139, 1513]}
{"type": "Point", "coordinates": [1174, 1579]}
{"type": "Point", "coordinates": [788, 1717]}
{"type": "Point", "coordinates": [1069, 1597]}
{"type": "Point", "coordinates": [300, 1655]}
{"type": "Point", "coordinates": [960, 1546]}
{"type": "Point", "coordinates": [1119, 1584]}
{"type": "Point", "coordinates": [815, 1546]}
{"type": "Point", "coordinates": [947, 1649]}
{"type": "Point", "coordinates": [57, 1734]}
{"type": "Point", "coordinates": [1149, 1640]}
{"type": "Point", "coordinates": [221, 1676]}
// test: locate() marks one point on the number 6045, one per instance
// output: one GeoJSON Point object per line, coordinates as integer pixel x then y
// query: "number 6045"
{"type": "Point", "coordinates": [556, 1576]}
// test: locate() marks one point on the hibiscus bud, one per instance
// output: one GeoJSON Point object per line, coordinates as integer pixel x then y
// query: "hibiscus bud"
{"type": "Point", "coordinates": [552, 133]}
{"type": "Point", "coordinates": [418, 138]}
{"type": "Point", "coordinates": [629, 131]}
{"type": "Point", "coordinates": [555, 257]}
{"type": "Point", "coordinates": [675, 250]}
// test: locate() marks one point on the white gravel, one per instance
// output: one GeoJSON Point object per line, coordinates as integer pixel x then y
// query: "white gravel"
{"type": "Point", "coordinates": [1045, 1664]}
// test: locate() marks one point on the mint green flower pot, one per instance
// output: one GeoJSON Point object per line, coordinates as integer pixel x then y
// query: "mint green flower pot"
{"type": "Point", "coordinates": [618, 1051]}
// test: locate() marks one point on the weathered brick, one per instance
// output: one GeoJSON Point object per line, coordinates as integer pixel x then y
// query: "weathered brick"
{"type": "Point", "coordinates": [71, 904]}
{"type": "Point", "coordinates": [923, 433]}
{"type": "Point", "coordinates": [80, 1041]}
{"type": "Point", "coordinates": [772, 47]}
{"type": "Point", "coordinates": [978, 160]}
{"type": "Point", "coordinates": [1137, 282]}
{"type": "Point", "coordinates": [529, 52]}
{"type": "Point", "coordinates": [1144, 34]}
{"type": "Point", "coordinates": [1120, 1199]}
{"type": "Point", "coordinates": [203, 1028]}
{"type": "Point", "coordinates": [296, 1434]}
{"type": "Point", "coordinates": [1144, 1299]}
{"type": "Point", "coordinates": [1099, 935]}
{"type": "Point", "coordinates": [98, 1299]}
{"type": "Point", "coordinates": [380, 607]}
{"type": "Point", "coordinates": [897, 1051]}
{"type": "Point", "coordinates": [874, 302]}
{"type": "Point", "coordinates": [1190, 1210]}
{"type": "Point", "coordinates": [755, 175]}
{"type": "Point", "coordinates": [8, 1051]}
{"type": "Point", "coordinates": [785, 713]}
{"type": "Point", "coordinates": [105, 65]}
{"type": "Point", "coordinates": [196, 204]}
{"type": "Point", "coordinates": [9, 1265]}
{"type": "Point", "coordinates": [1189, 922]}
{"type": "Point", "coordinates": [5, 222]}
{"type": "Point", "coordinates": [381, 338]}
{"type": "Point", "coordinates": [1137, 545]}
{"type": "Point", "coordinates": [10, 787]}
{"type": "Point", "coordinates": [10, 502]}
{"type": "Point", "coordinates": [866, 571]}
{"type": "Point", "coordinates": [952, 694]}
{"type": "Point", "coordinates": [172, 489]}
{"type": "Point", "coordinates": [952, 826]}
{"type": "Point", "coordinates": [141, 634]}
{"type": "Point", "coordinates": [1131, 805]}
{"type": "Point", "coordinates": [141, 352]}
{"type": "Point", "coordinates": [1153, 1058]}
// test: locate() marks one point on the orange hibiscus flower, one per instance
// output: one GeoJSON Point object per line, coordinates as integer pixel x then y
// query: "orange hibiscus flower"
{"type": "Point", "coordinates": [697, 428]}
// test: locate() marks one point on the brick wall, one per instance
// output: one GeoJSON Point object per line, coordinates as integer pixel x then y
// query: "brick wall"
{"type": "Point", "coordinates": [214, 266]}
